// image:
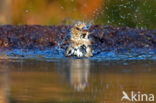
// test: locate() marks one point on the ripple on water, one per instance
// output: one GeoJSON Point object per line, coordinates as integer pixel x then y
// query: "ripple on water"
{"type": "Point", "coordinates": [52, 53]}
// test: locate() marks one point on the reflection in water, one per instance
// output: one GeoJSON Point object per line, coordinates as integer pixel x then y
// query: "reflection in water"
{"type": "Point", "coordinates": [4, 87]}
{"type": "Point", "coordinates": [79, 72]}
{"type": "Point", "coordinates": [76, 71]}
{"type": "Point", "coordinates": [33, 81]}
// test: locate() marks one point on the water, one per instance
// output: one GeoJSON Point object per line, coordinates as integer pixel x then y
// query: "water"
{"type": "Point", "coordinates": [56, 52]}
{"type": "Point", "coordinates": [73, 80]}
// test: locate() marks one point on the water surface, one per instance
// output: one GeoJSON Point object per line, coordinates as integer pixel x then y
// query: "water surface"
{"type": "Point", "coordinates": [73, 80]}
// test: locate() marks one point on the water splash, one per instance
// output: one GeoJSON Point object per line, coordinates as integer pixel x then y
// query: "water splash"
{"type": "Point", "coordinates": [58, 53]}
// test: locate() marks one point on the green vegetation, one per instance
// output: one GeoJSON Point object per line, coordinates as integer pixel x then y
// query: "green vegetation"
{"type": "Point", "coordinates": [132, 13]}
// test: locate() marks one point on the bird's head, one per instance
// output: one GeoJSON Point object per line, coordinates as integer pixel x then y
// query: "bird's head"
{"type": "Point", "coordinates": [81, 26]}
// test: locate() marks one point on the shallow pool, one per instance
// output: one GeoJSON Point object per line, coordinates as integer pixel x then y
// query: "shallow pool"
{"type": "Point", "coordinates": [74, 80]}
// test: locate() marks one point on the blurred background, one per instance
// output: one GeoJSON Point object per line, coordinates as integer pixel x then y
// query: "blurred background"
{"type": "Point", "coordinates": [132, 13]}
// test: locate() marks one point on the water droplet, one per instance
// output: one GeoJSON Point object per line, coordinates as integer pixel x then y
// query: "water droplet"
{"type": "Point", "coordinates": [62, 7]}
{"type": "Point", "coordinates": [26, 11]}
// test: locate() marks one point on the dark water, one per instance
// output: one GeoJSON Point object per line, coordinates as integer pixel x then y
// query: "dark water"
{"type": "Point", "coordinates": [74, 80]}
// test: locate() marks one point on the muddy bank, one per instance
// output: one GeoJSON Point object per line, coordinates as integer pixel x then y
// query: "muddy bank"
{"type": "Point", "coordinates": [31, 37]}
{"type": "Point", "coordinates": [106, 38]}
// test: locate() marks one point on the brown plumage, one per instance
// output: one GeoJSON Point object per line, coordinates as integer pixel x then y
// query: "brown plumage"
{"type": "Point", "coordinates": [80, 44]}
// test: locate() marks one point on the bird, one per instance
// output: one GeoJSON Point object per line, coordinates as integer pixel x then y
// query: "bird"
{"type": "Point", "coordinates": [80, 44]}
